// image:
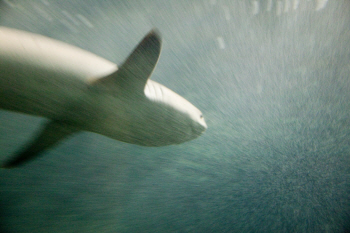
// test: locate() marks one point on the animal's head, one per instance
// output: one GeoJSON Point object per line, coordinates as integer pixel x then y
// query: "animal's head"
{"type": "Point", "coordinates": [152, 115]}
{"type": "Point", "coordinates": [168, 118]}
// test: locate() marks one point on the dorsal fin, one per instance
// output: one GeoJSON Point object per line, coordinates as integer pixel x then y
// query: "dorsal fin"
{"type": "Point", "coordinates": [137, 68]}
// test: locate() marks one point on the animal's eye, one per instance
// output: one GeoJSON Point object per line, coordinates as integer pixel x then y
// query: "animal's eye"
{"type": "Point", "coordinates": [201, 116]}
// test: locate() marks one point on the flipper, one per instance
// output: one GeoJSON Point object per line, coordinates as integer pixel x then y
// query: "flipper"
{"type": "Point", "coordinates": [53, 132]}
{"type": "Point", "coordinates": [138, 67]}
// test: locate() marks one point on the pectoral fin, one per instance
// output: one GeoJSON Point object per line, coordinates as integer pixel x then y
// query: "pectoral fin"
{"type": "Point", "coordinates": [53, 132]}
{"type": "Point", "coordinates": [132, 75]}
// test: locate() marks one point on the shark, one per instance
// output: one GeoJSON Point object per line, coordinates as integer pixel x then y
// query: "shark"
{"type": "Point", "coordinates": [76, 90]}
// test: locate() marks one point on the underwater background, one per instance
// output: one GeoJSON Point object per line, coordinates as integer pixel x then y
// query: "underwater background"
{"type": "Point", "coordinates": [272, 80]}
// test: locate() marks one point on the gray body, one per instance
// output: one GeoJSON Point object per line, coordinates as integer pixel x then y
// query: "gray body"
{"type": "Point", "coordinates": [78, 90]}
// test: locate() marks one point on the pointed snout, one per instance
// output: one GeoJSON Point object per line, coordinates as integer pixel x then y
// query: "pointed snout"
{"type": "Point", "coordinates": [204, 124]}
{"type": "Point", "coordinates": [199, 128]}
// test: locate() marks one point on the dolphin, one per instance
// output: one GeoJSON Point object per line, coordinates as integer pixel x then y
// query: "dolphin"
{"type": "Point", "coordinates": [79, 91]}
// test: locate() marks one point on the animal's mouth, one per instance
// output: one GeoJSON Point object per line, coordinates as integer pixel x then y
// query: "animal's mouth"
{"type": "Point", "coordinates": [198, 130]}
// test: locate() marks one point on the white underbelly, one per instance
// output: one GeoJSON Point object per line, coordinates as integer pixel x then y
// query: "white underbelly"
{"type": "Point", "coordinates": [42, 76]}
